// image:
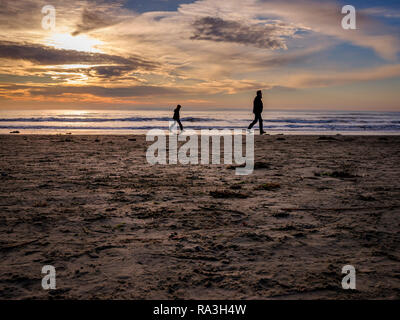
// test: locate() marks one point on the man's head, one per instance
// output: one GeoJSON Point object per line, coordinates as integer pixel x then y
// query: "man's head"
{"type": "Point", "coordinates": [178, 106]}
{"type": "Point", "coordinates": [259, 93]}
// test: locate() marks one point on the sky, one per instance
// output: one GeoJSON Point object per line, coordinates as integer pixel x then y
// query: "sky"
{"type": "Point", "coordinates": [203, 54]}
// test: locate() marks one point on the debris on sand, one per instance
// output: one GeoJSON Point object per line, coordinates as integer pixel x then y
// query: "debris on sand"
{"type": "Point", "coordinates": [257, 166]}
{"type": "Point", "coordinates": [300, 235]}
{"type": "Point", "coordinates": [286, 228]}
{"type": "Point", "coordinates": [261, 165]}
{"type": "Point", "coordinates": [14, 132]}
{"type": "Point", "coordinates": [269, 186]}
{"type": "Point", "coordinates": [226, 194]}
{"type": "Point", "coordinates": [234, 166]}
{"type": "Point", "coordinates": [364, 197]}
{"type": "Point", "coordinates": [256, 237]}
{"type": "Point", "coordinates": [40, 204]}
{"type": "Point", "coordinates": [120, 226]}
{"type": "Point", "coordinates": [325, 138]}
{"type": "Point", "coordinates": [345, 171]}
{"type": "Point", "coordinates": [281, 215]}
{"type": "Point", "coordinates": [336, 174]}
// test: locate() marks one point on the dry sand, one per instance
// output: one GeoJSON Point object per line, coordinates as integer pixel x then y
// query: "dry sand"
{"type": "Point", "coordinates": [116, 227]}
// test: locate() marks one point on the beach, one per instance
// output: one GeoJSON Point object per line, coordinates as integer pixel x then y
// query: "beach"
{"type": "Point", "coordinates": [115, 227]}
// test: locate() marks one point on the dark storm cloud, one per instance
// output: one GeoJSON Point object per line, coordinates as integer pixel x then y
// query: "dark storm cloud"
{"type": "Point", "coordinates": [217, 29]}
{"type": "Point", "coordinates": [44, 55]}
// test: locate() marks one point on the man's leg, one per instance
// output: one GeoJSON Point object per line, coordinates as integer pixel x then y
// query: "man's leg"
{"type": "Point", "coordinates": [261, 124]}
{"type": "Point", "coordinates": [254, 122]}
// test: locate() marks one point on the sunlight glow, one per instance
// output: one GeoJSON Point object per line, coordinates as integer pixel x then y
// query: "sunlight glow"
{"type": "Point", "coordinates": [78, 43]}
{"type": "Point", "coordinates": [73, 113]}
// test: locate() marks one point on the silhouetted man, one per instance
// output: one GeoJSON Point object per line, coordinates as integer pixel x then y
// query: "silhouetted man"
{"type": "Point", "coordinates": [177, 117]}
{"type": "Point", "coordinates": [257, 110]}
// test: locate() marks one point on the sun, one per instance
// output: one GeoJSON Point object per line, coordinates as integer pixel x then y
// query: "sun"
{"type": "Point", "coordinates": [78, 43]}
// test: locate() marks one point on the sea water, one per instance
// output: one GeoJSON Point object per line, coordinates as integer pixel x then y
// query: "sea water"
{"type": "Point", "coordinates": [140, 121]}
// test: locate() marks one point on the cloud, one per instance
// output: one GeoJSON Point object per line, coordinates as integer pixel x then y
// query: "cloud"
{"type": "Point", "coordinates": [131, 91]}
{"type": "Point", "coordinates": [85, 74]}
{"type": "Point", "coordinates": [204, 48]}
{"type": "Point", "coordinates": [261, 36]}
{"type": "Point", "coordinates": [98, 91]}
{"type": "Point", "coordinates": [342, 78]}
{"type": "Point", "coordinates": [320, 17]}
{"type": "Point", "coordinates": [4, 78]}
{"type": "Point", "coordinates": [325, 18]}
{"type": "Point", "coordinates": [14, 14]}
{"type": "Point", "coordinates": [101, 16]}
{"type": "Point", "coordinates": [382, 12]}
{"type": "Point", "coordinates": [91, 21]}
{"type": "Point", "coordinates": [27, 14]}
{"type": "Point", "coordinates": [197, 41]}
{"type": "Point", "coordinates": [109, 71]}
{"type": "Point", "coordinates": [45, 55]}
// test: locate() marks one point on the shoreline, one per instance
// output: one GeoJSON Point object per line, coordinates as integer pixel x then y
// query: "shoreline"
{"type": "Point", "coordinates": [298, 134]}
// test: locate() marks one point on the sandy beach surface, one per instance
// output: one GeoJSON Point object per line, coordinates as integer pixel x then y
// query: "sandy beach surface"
{"type": "Point", "coordinates": [115, 227]}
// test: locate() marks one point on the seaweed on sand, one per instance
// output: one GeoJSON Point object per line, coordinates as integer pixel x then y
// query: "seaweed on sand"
{"type": "Point", "coordinates": [269, 186]}
{"type": "Point", "coordinates": [226, 194]}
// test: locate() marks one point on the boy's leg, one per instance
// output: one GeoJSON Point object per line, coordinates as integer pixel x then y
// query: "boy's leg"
{"type": "Point", "coordinates": [172, 125]}
{"type": "Point", "coordinates": [180, 124]}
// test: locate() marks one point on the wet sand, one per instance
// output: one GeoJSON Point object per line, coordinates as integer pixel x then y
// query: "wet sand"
{"type": "Point", "coordinates": [115, 227]}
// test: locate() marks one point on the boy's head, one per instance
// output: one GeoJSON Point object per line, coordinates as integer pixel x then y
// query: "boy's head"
{"type": "Point", "coordinates": [178, 106]}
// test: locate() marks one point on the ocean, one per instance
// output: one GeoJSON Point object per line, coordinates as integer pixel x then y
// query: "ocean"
{"type": "Point", "coordinates": [139, 122]}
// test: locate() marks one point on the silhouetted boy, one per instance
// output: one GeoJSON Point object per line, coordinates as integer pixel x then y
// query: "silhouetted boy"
{"type": "Point", "coordinates": [257, 110]}
{"type": "Point", "coordinates": [177, 117]}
